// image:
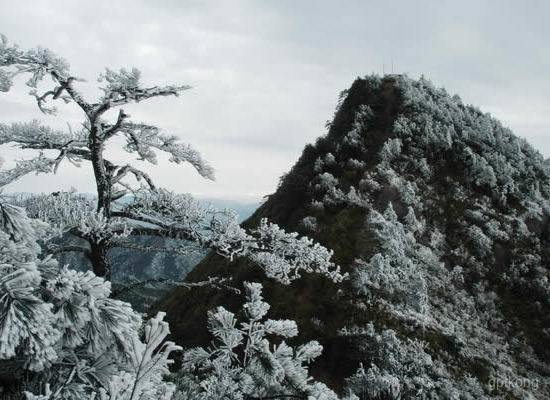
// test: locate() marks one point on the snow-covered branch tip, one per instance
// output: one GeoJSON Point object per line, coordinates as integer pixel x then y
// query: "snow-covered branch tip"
{"type": "Point", "coordinates": [39, 164]}
{"type": "Point", "coordinates": [143, 139]}
{"type": "Point", "coordinates": [241, 363]}
{"type": "Point", "coordinates": [150, 360]}
{"type": "Point", "coordinates": [123, 86]}
{"type": "Point", "coordinates": [284, 256]}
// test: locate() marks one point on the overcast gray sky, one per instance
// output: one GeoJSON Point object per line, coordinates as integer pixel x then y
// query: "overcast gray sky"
{"type": "Point", "coordinates": [266, 74]}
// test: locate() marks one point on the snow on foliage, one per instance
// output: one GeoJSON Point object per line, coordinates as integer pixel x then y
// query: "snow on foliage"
{"type": "Point", "coordinates": [326, 181]}
{"type": "Point", "coordinates": [494, 157]}
{"type": "Point", "coordinates": [390, 150]}
{"type": "Point", "coordinates": [456, 213]}
{"type": "Point", "coordinates": [149, 361]}
{"type": "Point", "coordinates": [61, 325]}
{"type": "Point", "coordinates": [241, 363]}
{"type": "Point", "coordinates": [394, 270]}
{"type": "Point", "coordinates": [309, 223]}
{"type": "Point", "coordinates": [402, 369]}
{"type": "Point", "coordinates": [150, 211]}
{"type": "Point", "coordinates": [283, 256]}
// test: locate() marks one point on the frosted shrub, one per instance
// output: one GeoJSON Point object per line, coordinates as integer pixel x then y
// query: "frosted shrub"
{"type": "Point", "coordinates": [62, 325]}
{"type": "Point", "coordinates": [310, 223]}
{"type": "Point", "coordinates": [355, 164]}
{"type": "Point", "coordinates": [242, 363]}
{"type": "Point", "coordinates": [329, 159]}
{"type": "Point", "coordinates": [326, 182]}
{"type": "Point", "coordinates": [398, 367]}
{"type": "Point", "coordinates": [481, 244]}
{"type": "Point", "coordinates": [393, 270]}
{"type": "Point", "coordinates": [390, 150]}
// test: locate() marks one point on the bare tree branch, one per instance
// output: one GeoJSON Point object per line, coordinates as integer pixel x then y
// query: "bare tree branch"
{"type": "Point", "coordinates": [111, 131]}
{"type": "Point", "coordinates": [68, 249]}
{"type": "Point", "coordinates": [137, 246]}
{"type": "Point", "coordinates": [123, 171]}
{"type": "Point", "coordinates": [213, 282]}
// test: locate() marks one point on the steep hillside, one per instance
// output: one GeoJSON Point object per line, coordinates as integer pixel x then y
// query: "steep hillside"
{"type": "Point", "coordinates": [440, 215]}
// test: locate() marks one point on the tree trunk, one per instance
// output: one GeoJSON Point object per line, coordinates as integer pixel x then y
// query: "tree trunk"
{"type": "Point", "coordinates": [101, 173]}
{"type": "Point", "coordinates": [100, 260]}
{"type": "Point", "coordinates": [98, 250]}
{"type": "Point", "coordinates": [104, 197]}
{"type": "Point", "coordinates": [103, 185]}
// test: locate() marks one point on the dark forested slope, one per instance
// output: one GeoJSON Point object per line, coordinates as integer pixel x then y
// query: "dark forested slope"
{"type": "Point", "coordinates": [440, 215]}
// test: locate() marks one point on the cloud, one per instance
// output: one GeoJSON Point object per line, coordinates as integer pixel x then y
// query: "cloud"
{"type": "Point", "coordinates": [266, 75]}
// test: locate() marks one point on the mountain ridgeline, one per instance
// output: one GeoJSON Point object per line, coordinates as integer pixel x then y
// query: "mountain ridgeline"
{"type": "Point", "coordinates": [440, 215]}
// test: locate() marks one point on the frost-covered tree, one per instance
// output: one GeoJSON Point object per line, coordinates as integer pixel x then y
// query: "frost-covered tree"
{"type": "Point", "coordinates": [151, 211]}
{"type": "Point", "coordinates": [89, 143]}
{"type": "Point", "coordinates": [61, 336]}
{"type": "Point", "coordinates": [59, 328]}
{"type": "Point", "coordinates": [394, 271]}
{"type": "Point", "coordinates": [403, 369]}
{"type": "Point", "coordinates": [242, 363]}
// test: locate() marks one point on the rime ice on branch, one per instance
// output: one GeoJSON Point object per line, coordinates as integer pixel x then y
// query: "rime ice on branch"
{"type": "Point", "coordinates": [152, 212]}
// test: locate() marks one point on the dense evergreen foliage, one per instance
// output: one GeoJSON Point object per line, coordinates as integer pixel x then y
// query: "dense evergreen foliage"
{"type": "Point", "coordinates": [62, 334]}
{"type": "Point", "coordinates": [424, 221]}
{"type": "Point", "coordinates": [440, 214]}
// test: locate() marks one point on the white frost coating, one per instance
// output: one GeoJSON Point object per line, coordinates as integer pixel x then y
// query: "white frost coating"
{"type": "Point", "coordinates": [149, 363]}
{"type": "Point", "coordinates": [153, 212]}
{"type": "Point", "coordinates": [62, 325]}
{"type": "Point", "coordinates": [284, 256]}
{"type": "Point", "coordinates": [241, 363]}
{"type": "Point", "coordinates": [395, 270]}
{"type": "Point", "coordinates": [118, 87]}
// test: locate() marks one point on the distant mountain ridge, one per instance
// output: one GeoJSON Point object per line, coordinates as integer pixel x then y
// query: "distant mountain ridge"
{"type": "Point", "coordinates": [441, 216]}
{"type": "Point", "coordinates": [133, 266]}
